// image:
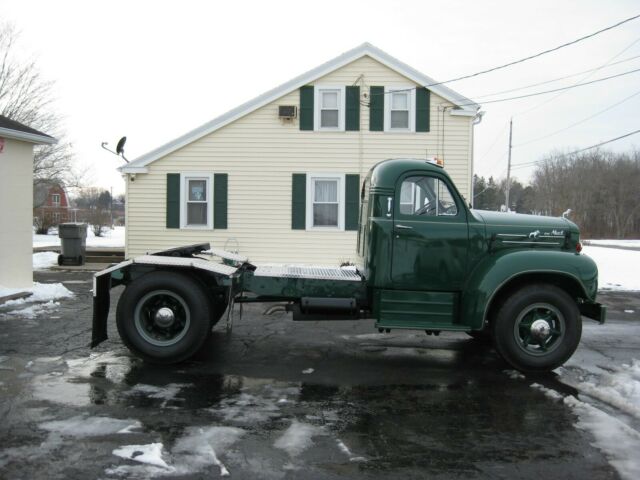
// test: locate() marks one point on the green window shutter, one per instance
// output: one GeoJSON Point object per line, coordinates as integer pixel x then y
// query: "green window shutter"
{"type": "Point", "coordinates": [220, 194]}
{"type": "Point", "coordinates": [423, 109]}
{"type": "Point", "coordinates": [352, 120]}
{"type": "Point", "coordinates": [352, 202]}
{"type": "Point", "coordinates": [376, 109]}
{"type": "Point", "coordinates": [173, 200]}
{"type": "Point", "coordinates": [306, 107]}
{"type": "Point", "coordinates": [299, 201]}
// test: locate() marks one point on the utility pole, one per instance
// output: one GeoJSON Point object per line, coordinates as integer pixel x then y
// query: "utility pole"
{"type": "Point", "coordinates": [508, 186]}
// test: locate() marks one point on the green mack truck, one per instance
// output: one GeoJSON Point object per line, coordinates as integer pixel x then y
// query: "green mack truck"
{"type": "Point", "coordinates": [426, 262]}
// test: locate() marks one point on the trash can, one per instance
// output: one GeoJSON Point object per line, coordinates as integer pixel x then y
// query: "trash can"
{"type": "Point", "coordinates": [73, 237]}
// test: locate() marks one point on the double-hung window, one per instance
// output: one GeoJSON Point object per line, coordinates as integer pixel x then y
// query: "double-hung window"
{"type": "Point", "coordinates": [55, 199]}
{"type": "Point", "coordinates": [197, 207]}
{"type": "Point", "coordinates": [400, 107]}
{"type": "Point", "coordinates": [325, 205]}
{"type": "Point", "coordinates": [330, 108]}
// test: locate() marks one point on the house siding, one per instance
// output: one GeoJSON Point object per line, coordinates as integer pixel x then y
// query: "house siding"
{"type": "Point", "coordinates": [16, 163]}
{"type": "Point", "coordinates": [260, 153]}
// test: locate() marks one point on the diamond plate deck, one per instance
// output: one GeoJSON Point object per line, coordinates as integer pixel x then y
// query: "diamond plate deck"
{"type": "Point", "coordinates": [308, 272]}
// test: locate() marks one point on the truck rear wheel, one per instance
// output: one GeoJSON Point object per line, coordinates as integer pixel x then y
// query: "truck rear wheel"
{"type": "Point", "coordinates": [537, 328]}
{"type": "Point", "coordinates": [163, 317]}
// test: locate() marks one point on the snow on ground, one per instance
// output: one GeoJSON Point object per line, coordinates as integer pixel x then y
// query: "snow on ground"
{"type": "Point", "coordinates": [616, 391]}
{"type": "Point", "coordinates": [619, 442]}
{"type": "Point", "coordinates": [41, 299]}
{"type": "Point", "coordinates": [617, 269]}
{"type": "Point", "coordinates": [202, 446]}
{"type": "Point", "coordinates": [82, 426]}
{"type": "Point", "coordinates": [150, 454]}
{"type": "Point", "coordinates": [110, 238]}
{"type": "Point", "coordinates": [617, 243]}
{"type": "Point", "coordinates": [42, 260]}
{"type": "Point", "coordinates": [297, 438]}
{"type": "Point", "coordinates": [40, 292]}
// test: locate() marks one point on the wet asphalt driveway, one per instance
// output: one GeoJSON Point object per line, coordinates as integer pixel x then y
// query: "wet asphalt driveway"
{"type": "Point", "coordinates": [283, 399]}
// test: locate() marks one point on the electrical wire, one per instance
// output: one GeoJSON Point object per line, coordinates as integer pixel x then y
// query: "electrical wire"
{"type": "Point", "coordinates": [515, 62]}
{"type": "Point", "coordinates": [579, 122]}
{"type": "Point", "coordinates": [555, 79]}
{"type": "Point", "coordinates": [544, 52]}
{"type": "Point", "coordinates": [534, 94]}
{"type": "Point", "coordinates": [554, 97]}
{"type": "Point", "coordinates": [529, 164]}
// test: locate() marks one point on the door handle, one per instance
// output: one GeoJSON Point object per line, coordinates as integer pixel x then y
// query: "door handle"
{"type": "Point", "coordinates": [403, 227]}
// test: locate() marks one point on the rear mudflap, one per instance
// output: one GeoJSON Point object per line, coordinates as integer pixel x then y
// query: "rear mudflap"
{"type": "Point", "coordinates": [101, 301]}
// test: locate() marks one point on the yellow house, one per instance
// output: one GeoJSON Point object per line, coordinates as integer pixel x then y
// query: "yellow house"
{"type": "Point", "coordinates": [278, 178]}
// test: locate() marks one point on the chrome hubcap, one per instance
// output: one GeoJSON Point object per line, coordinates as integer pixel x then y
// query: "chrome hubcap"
{"type": "Point", "coordinates": [164, 317]}
{"type": "Point", "coordinates": [540, 330]}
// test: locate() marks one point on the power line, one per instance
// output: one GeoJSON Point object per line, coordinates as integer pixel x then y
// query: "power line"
{"type": "Point", "coordinates": [555, 79]}
{"type": "Point", "coordinates": [537, 54]}
{"type": "Point", "coordinates": [528, 164]}
{"type": "Point", "coordinates": [555, 89]}
{"type": "Point", "coordinates": [579, 122]}
{"type": "Point", "coordinates": [603, 143]}
{"type": "Point", "coordinates": [551, 99]}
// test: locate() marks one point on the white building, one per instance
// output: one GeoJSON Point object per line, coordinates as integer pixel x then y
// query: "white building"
{"type": "Point", "coordinates": [16, 197]}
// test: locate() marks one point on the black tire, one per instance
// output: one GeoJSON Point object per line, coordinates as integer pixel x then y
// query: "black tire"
{"type": "Point", "coordinates": [520, 328]}
{"type": "Point", "coordinates": [184, 328]}
{"type": "Point", "coordinates": [60, 260]}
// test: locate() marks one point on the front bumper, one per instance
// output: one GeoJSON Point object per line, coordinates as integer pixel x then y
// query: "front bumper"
{"type": "Point", "coordinates": [593, 310]}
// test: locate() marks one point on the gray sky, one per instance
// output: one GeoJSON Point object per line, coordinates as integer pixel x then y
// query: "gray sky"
{"type": "Point", "coordinates": [154, 70]}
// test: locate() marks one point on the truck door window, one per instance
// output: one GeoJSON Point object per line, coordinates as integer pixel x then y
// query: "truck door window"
{"type": "Point", "coordinates": [426, 196]}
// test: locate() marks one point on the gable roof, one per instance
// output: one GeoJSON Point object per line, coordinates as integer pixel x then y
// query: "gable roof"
{"type": "Point", "coordinates": [465, 106]}
{"type": "Point", "coordinates": [18, 131]}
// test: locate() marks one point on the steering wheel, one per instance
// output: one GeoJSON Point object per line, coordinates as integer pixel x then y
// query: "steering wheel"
{"type": "Point", "coordinates": [425, 209]}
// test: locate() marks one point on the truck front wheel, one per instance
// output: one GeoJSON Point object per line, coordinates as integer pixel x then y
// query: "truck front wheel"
{"type": "Point", "coordinates": [537, 328]}
{"type": "Point", "coordinates": [163, 317]}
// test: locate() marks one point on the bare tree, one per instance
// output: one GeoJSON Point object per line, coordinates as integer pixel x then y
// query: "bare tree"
{"type": "Point", "coordinates": [26, 97]}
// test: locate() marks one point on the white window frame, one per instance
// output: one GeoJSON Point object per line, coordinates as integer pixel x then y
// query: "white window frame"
{"type": "Point", "coordinates": [184, 178]}
{"type": "Point", "coordinates": [53, 199]}
{"type": "Point", "coordinates": [317, 92]}
{"type": "Point", "coordinates": [310, 191]}
{"type": "Point", "coordinates": [411, 91]}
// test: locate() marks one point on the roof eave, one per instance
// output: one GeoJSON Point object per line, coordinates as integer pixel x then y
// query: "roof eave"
{"type": "Point", "coordinates": [27, 137]}
{"type": "Point", "coordinates": [366, 49]}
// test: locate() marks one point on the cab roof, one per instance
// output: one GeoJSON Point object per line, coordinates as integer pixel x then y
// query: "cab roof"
{"type": "Point", "coordinates": [385, 174]}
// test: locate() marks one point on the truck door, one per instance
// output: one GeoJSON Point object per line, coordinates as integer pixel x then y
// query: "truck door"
{"type": "Point", "coordinates": [430, 235]}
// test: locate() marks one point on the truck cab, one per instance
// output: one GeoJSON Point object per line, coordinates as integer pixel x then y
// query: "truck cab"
{"type": "Point", "coordinates": [426, 261]}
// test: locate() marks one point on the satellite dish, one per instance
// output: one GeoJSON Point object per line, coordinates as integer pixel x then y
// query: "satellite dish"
{"type": "Point", "coordinates": [120, 146]}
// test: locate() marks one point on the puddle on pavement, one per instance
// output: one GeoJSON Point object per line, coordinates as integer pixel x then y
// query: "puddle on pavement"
{"type": "Point", "coordinates": [264, 427]}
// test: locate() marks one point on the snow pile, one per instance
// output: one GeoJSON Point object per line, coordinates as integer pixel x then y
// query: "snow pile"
{"type": "Point", "coordinates": [297, 438]}
{"type": "Point", "coordinates": [45, 293]}
{"type": "Point", "coordinates": [82, 426]}
{"type": "Point", "coordinates": [617, 269]}
{"type": "Point", "coordinates": [201, 446]}
{"type": "Point", "coordinates": [619, 388]}
{"type": "Point", "coordinates": [34, 310]}
{"type": "Point", "coordinates": [150, 454]}
{"type": "Point", "coordinates": [40, 292]}
{"type": "Point", "coordinates": [619, 442]}
{"type": "Point", "coordinates": [42, 260]}
{"type": "Point", "coordinates": [552, 394]}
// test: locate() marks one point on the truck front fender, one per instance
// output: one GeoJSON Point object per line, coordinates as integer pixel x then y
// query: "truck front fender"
{"type": "Point", "coordinates": [496, 272]}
